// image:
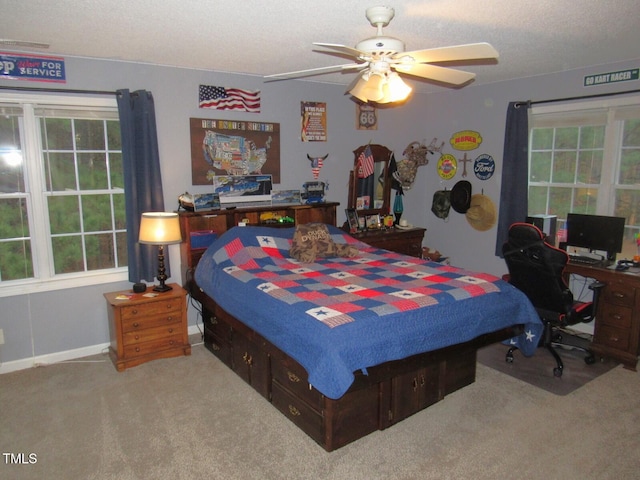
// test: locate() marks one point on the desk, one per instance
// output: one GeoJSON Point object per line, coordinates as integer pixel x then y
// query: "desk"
{"type": "Point", "coordinates": [617, 324]}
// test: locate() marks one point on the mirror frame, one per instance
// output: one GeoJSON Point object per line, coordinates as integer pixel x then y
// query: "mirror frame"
{"type": "Point", "coordinates": [380, 154]}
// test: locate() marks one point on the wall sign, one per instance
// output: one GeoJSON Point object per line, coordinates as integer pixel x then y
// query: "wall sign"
{"type": "Point", "coordinates": [612, 77]}
{"type": "Point", "coordinates": [484, 166]}
{"type": "Point", "coordinates": [447, 166]}
{"type": "Point", "coordinates": [37, 68]}
{"type": "Point", "coordinates": [465, 140]}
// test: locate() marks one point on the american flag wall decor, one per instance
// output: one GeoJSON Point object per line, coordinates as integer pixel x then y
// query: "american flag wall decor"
{"type": "Point", "coordinates": [227, 98]}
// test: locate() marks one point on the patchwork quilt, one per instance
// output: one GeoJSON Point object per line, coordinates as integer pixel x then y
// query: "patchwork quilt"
{"type": "Point", "coordinates": [340, 315]}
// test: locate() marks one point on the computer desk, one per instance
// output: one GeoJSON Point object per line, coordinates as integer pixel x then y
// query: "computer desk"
{"type": "Point", "coordinates": [617, 324]}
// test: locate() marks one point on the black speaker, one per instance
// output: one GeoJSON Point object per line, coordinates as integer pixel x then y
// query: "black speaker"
{"type": "Point", "coordinates": [547, 225]}
{"type": "Point", "coordinates": [139, 287]}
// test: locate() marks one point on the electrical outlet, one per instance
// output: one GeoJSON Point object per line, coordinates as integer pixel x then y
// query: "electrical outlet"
{"type": "Point", "coordinates": [1, 337]}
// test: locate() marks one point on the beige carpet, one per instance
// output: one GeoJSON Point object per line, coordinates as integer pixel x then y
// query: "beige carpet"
{"type": "Point", "coordinates": [538, 369]}
{"type": "Point", "coordinates": [192, 418]}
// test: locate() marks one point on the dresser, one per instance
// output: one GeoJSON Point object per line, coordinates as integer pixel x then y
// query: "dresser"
{"type": "Point", "coordinates": [406, 241]}
{"type": "Point", "coordinates": [617, 325]}
{"type": "Point", "coordinates": [147, 326]}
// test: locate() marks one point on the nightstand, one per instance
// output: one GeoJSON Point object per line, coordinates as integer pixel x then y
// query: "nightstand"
{"type": "Point", "coordinates": [147, 326]}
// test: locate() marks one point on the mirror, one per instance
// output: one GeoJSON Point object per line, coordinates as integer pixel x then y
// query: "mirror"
{"type": "Point", "coordinates": [370, 195]}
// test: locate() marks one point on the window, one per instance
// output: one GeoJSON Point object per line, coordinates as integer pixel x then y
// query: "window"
{"type": "Point", "coordinates": [61, 193]}
{"type": "Point", "coordinates": [586, 159]}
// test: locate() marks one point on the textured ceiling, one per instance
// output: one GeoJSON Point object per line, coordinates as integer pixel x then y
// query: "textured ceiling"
{"type": "Point", "coordinates": [262, 37]}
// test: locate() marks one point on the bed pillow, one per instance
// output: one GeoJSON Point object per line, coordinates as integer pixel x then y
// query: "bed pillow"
{"type": "Point", "coordinates": [313, 240]}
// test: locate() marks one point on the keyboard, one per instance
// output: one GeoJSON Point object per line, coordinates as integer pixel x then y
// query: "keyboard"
{"type": "Point", "coordinates": [584, 260]}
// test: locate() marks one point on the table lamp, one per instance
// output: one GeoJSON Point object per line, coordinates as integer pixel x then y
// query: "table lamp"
{"type": "Point", "coordinates": [160, 228]}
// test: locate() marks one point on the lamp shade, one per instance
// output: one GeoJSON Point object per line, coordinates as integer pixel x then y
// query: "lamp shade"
{"type": "Point", "coordinates": [160, 228]}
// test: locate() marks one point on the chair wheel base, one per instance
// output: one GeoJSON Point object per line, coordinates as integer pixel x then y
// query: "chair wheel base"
{"type": "Point", "coordinates": [557, 372]}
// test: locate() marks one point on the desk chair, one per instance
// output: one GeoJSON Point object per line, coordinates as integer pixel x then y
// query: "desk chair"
{"type": "Point", "coordinates": [536, 268]}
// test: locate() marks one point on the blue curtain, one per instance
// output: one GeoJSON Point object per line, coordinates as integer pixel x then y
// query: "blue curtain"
{"type": "Point", "coordinates": [515, 171]}
{"type": "Point", "coordinates": [142, 178]}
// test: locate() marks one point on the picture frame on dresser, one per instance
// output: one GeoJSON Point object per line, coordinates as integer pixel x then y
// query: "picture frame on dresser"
{"type": "Point", "coordinates": [352, 219]}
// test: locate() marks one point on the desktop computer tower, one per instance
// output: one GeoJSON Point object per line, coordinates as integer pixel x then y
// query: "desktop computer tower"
{"type": "Point", "coordinates": [547, 224]}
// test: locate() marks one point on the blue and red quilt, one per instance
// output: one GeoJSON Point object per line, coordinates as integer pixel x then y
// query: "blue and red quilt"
{"type": "Point", "coordinates": [339, 315]}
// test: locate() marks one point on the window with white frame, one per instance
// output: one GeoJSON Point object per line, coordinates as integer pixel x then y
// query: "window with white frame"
{"type": "Point", "coordinates": [586, 159]}
{"type": "Point", "coordinates": [61, 192]}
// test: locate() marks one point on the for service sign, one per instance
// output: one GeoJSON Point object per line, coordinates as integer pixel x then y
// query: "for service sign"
{"type": "Point", "coordinates": [32, 67]}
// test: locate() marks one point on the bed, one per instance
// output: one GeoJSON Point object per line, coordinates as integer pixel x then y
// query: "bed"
{"type": "Point", "coordinates": [356, 340]}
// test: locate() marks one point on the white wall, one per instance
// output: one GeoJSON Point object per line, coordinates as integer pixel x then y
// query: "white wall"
{"type": "Point", "coordinates": [51, 325]}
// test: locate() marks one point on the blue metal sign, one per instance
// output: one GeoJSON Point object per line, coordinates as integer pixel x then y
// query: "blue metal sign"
{"type": "Point", "coordinates": [38, 68]}
{"type": "Point", "coordinates": [484, 167]}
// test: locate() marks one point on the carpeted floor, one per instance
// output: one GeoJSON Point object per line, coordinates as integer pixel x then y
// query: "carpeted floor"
{"type": "Point", "coordinates": [538, 369]}
{"type": "Point", "coordinates": [191, 417]}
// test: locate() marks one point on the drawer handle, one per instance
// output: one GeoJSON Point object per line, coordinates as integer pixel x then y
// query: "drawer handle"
{"type": "Point", "coordinates": [422, 380]}
{"type": "Point", "coordinates": [171, 342]}
{"type": "Point", "coordinates": [134, 311]}
{"type": "Point", "coordinates": [293, 377]}
{"type": "Point", "coordinates": [616, 316]}
{"type": "Point", "coordinates": [171, 330]}
{"type": "Point", "coordinates": [215, 347]}
{"type": "Point", "coordinates": [138, 349]}
{"type": "Point", "coordinates": [137, 337]}
{"type": "Point", "coordinates": [169, 306]}
{"type": "Point", "coordinates": [136, 325]}
{"type": "Point", "coordinates": [213, 320]}
{"type": "Point", "coordinates": [169, 318]}
{"type": "Point", "coordinates": [294, 411]}
{"type": "Point", "coordinates": [415, 384]}
{"type": "Point", "coordinates": [614, 339]}
{"type": "Point", "coordinates": [247, 358]}
{"type": "Point", "coordinates": [618, 294]}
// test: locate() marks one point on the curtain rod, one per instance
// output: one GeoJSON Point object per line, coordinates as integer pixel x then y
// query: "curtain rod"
{"type": "Point", "coordinates": [566, 99]}
{"type": "Point", "coordinates": [57, 90]}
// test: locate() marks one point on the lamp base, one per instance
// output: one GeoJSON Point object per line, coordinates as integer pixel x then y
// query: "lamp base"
{"type": "Point", "coordinates": [162, 288]}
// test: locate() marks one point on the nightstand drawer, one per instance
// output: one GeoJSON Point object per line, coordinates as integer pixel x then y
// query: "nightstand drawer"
{"type": "Point", "coordinates": [153, 346]}
{"type": "Point", "coordinates": [149, 334]}
{"type": "Point", "coordinates": [151, 309]}
{"type": "Point", "coordinates": [142, 323]}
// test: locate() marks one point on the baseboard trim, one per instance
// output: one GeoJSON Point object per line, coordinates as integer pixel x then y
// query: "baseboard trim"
{"type": "Point", "coordinates": [56, 357]}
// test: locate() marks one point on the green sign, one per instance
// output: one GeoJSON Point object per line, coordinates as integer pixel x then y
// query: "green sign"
{"type": "Point", "coordinates": [612, 77]}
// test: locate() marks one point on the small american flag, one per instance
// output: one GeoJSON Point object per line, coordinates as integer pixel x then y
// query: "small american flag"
{"type": "Point", "coordinates": [365, 163]}
{"type": "Point", "coordinates": [222, 98]}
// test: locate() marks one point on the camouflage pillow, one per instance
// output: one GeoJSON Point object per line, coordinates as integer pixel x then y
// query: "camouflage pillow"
{"type": "Point", "coordinates": [313, 240]}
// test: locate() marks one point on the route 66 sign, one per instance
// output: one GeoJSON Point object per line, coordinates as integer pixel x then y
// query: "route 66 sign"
{"type": "Point", "coordinates": [367, 117]}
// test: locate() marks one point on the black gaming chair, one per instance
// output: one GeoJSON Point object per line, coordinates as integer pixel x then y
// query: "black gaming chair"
{"type": "Point", "coordinates": [536, 268]}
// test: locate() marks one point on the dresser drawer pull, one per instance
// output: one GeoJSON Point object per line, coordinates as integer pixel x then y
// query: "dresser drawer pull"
{"type": "Point", "coordinates": [171, 330]}
{"type": "Point", "coordinates": [136, 325]}
{"type": "Point", "coordinates": [169, 306]}
{"type": "Point", "coordinates": [294, 411]}
{"type": "Point", "coordinates": [215, 347]}
{"type": "Point", "coordinates": [171, 342]}
{"type": "Point", "coordinates": [134, 311]}
{"type": "Point", "coordinates": [138, 349]}
{"type": "Point", "coordinates": [293, 377]}
{"type": "Point", "coordinates": [616, 316]}
{"type": "Point", "coordinates": [619, 294]}
{"type": "Point", "coordinates": [137, 337]}
{"type": "Point", "coordinates": [415, 384]}
{"type": "Point", "coordinates": [169, 318]}
{"type": "Point", "coordinates": [614, 339]}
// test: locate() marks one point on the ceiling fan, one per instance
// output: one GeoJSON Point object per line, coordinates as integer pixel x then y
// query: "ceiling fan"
{"type": "Point", "coordinates": [381, 58]}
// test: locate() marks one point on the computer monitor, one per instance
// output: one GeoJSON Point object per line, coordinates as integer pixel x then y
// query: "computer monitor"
{"type": "Point", "coordinates": [596, 232]}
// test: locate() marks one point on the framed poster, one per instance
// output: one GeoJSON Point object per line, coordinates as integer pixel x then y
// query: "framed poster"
{"type": "Point", "coordinates": [230, 147]}
{"type": "Point", "coordinates": [313, 118]}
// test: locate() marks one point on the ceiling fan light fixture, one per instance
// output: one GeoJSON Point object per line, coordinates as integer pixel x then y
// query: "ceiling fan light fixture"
{"type": "Point", "coordinates": [394, 89]}
{"type": "Point", "coordinates": [372, 90]}
{"type": "Point", "coordinates": [358, 89]}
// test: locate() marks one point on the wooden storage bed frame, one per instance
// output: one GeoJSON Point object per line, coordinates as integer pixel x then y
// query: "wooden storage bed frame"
{"type": "Point", "coordinates": [387, 394]}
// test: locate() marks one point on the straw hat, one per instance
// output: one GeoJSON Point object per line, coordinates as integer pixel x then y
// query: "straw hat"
{"type": "Point", "coordinates": [481, 214]}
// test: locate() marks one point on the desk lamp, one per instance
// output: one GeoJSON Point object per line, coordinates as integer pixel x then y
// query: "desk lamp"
{"type": "Point", "coordinates": [160, 228]}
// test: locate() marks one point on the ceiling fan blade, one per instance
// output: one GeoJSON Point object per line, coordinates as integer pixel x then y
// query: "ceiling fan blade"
{"type": "Point", "coordinates": [472, 51]}
{"type": "Point", "coordinates": [433, 72]}
{"type": "Point", "coordinates": [313, 71]}
{"type": "Point", "coordinates": [339, 48]}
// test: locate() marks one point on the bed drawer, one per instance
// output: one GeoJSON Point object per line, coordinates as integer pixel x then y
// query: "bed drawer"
{"type": "Point", "coordinates": [296, 410]}
{"type": "Point", "coordinates": [292, 376]}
